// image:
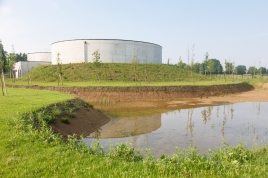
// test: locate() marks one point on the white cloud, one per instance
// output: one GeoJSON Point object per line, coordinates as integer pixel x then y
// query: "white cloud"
{"type": "Point", "coordinates": [5, 10]}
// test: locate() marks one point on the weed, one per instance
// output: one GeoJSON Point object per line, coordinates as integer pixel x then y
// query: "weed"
{"type": "Point", "coordinates": [123, 151]}
{"type": "Point", "coordinates": [56, 112]}
{"type": "Point", "coordinates": [65, 120]}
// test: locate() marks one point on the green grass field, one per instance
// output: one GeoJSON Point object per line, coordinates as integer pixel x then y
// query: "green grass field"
{"type": "Point", "coordinates": [122, 84]}
{"type": "Point", "coordinates": [26, 152]}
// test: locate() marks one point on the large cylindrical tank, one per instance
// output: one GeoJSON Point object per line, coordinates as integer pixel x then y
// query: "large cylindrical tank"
{"type": "Point", "coordinates": [111, 51]}
{"type": "Point", "coordinates": [39, 56]}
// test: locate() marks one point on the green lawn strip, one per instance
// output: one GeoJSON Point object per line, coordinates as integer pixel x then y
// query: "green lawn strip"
{"type": "Point", "coordinates": [123, 84]}
{"type": "Point", "coordinates": [26, 152]}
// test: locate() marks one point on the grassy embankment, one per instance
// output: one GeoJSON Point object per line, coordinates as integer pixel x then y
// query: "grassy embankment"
{"type": "Point", "coordinates": [26, 152]}
{"type": "Point", "coordinates": [115, 74]}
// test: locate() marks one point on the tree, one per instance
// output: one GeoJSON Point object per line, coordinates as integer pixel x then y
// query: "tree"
{"type": "Point", "coordinates": [29, 74]}
{"type": "Point", "coordinates": [192, 62]}
{"type": "Point", "coordinates": [241, 69]}
{"type": "Point", "coordinates": [217, 68]}
{"type": "Point", "coordinates": [229, 67]}
{"type": "Point", "coordinates": [252, 70]}
{"type": "Point", "coordinates": [135, 62]}
{"type": "Point", "coordinates": [97, 63]}
{"type": "Point", "coordinates": [262, 70]}
{"type": "Point", "coordinates": [2, 62]}
{"type": "Point", "coordinates": [96, 59]}
{"type": "Point", "coordinates": [20, 57]}
{"type": "Point", "coordinates": [11, 62]}
{"type": "Point", "coordinates": [4, 55]}
{"type": "Point", "coordinates": [197, 68]}
{"type": "Point", "coordinates": [210, 67]}
{"type": "Point", "coordinates": [59, 69]}
{"type": "Point", "coordinates": [205, 63]}
{"type": "Point", "coordinates": [181, 64]}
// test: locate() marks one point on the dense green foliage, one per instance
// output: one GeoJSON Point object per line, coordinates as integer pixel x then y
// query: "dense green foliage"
{"type": "Point", "coordinates": [20, 57]}
{"type": "Point", "coordinates": [7, 61]}
{"type": "Point", "coordinates": [240, 69]}
{"type": "Point", "coordinates": [212, 66]}
{"type": "Point", "coordinates": [229, 67]}
{"type": "Point", "coordinates": [262, 70]}
{"type": "Point", "coordinates": [3, 56]}
{"type": "Point", "coordinates": [252, 70]}
{"type": "Point", "coordinates": [28, 152]}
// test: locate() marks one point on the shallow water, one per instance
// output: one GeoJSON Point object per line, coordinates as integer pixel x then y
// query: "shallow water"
{"type": "Point", "coordinates": [205, 127]}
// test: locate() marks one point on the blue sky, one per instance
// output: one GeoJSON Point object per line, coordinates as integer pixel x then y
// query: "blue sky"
{"type": "Point", "coordinates": [235, 30]}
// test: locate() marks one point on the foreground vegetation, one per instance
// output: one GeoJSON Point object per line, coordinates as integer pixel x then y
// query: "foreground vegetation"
{"type": "Point", "coordinates": [28, 152]}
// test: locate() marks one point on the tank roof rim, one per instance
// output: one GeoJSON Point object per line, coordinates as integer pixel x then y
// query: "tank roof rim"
{"type": "Point", "coordinates": [38, 52]}
{"type": "Point", "coordinates": [105, 39]}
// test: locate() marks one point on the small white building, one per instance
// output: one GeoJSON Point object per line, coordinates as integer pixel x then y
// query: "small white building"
{"type": "Point", "coordinates": [23, 67]}
{"type": "Point", "coordinates": [33, 60]}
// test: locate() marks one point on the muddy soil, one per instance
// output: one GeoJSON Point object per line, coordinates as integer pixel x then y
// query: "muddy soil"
{"type": "Point", "coordinates": [82, 122]}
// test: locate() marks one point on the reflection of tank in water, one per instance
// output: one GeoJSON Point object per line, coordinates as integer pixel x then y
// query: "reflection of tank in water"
{"type": "Point", "coordinates": [131, 126]}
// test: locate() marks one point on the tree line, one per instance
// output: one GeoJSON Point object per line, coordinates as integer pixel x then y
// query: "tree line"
{"type": "Point", "coordinates": [214, 66]}
{"type": "Point", "coordinates": [8, 60]}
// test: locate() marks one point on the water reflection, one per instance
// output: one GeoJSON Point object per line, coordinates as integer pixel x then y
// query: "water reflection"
{"type": "Point", "coordinates": [205, 127]}
{"type": "Point", "coordinates": [126, 127]}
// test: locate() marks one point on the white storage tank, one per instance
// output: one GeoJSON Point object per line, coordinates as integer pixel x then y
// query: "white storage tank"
{"type": "Point", "coordinates": [39, 56]}
{"type": "Point", "coordinates": [111, 51]}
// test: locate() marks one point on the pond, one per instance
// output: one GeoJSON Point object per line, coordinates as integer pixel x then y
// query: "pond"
{"type": "Point", "coordinates": [204, 127]}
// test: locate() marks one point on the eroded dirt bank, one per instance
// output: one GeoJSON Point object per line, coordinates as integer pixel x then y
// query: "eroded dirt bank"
{"type": "Point", "coordinates": [148, 93]}
{"type": "Point", "coordinates": [82, 119]}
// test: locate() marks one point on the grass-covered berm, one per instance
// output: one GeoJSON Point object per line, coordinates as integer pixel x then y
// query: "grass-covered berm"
{"type": "Point", "coordinates": [124, 75]}
{"type": "Point", "coordinates": [30, 150]}
{"type": "Point", "coordinates": [125, 72]}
